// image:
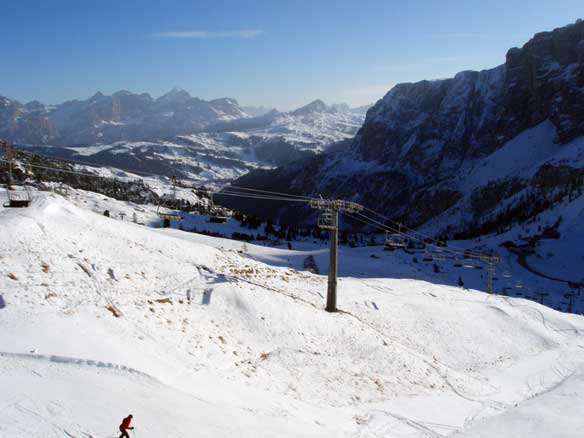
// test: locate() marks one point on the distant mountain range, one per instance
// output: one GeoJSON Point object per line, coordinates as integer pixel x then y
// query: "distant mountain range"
{"type": "Point", "coordinates": [105, 119]}
{"type": "Point", "coordinates": [468, 155]}
{"type": "Point", "coordinates": [177, 134]}
{"type": "Point", "coordinates": [125, 116]}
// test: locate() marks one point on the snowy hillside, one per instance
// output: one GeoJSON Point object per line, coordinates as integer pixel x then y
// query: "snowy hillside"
{"type": "Point", "coordinates": [314, 126]}
{"type": "Point", "coordinates": [96, 324]}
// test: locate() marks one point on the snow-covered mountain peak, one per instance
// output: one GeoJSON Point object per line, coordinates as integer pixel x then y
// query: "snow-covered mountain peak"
{"type": "Point", "coordinates": [121, 93]}
{"type": "Point", "coordinates": [342, 107]}
{"type": "Point", "coordinates": [316, 106]}
{"type": "Point", "coordinates": [176, 95]}
{"type": "Point", "coordinates": [224, 101]}
{"type": "Point", "coordinates": [97, 96]}
{"type": "Point", "coordinates": [228, 108]}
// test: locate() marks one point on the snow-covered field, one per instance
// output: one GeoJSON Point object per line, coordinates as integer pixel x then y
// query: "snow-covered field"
{"type": "Point", "coordinates": [253, 354]}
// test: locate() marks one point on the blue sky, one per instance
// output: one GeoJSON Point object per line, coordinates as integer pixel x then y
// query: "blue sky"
{"type": "Point", "coordinates": [275, 52]}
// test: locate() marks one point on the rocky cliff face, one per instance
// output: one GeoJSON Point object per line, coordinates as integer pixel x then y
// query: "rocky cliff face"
{"type": "Point", "coordinates": [432, 127]}
{"type": "Point", "coordinates": [418, 153]}
{"type": "Point", "coordinates": [545, 80]}
{"type": "Point", "coordinates": [16, 118]}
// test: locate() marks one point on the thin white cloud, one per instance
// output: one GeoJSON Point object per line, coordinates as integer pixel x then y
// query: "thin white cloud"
{"type": "Point", "coordinates": [207, 35]}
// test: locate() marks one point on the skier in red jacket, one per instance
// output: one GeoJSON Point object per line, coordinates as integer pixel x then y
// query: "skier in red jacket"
{"type": "Point", "coordinates": [125, 426]}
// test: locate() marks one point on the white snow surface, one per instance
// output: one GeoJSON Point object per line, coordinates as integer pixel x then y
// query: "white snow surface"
{"type": "Point", "coordinates": [315, 130]}
{"type": "Point", "coordinates": [254, 354]}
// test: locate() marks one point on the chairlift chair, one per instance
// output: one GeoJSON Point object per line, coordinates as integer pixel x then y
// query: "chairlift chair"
{"type": "Point", "coordinates": [18, 198]}
{"type": "Point", "coordinates": [439, 257]}
{"type": "Point", "coordinates": [171, 216]}
{"type": "Point", "coordinates": [427, 257]}
{"type": "Point", "coordinates": [218, 216]}
{"type": "Point", "coordinates": [394, 241]}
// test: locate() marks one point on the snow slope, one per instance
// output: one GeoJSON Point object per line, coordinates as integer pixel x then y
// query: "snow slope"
{"type": "Point", "coordinates": [404, 358]}
{"type": "Point", "coordinates": [553, 413]}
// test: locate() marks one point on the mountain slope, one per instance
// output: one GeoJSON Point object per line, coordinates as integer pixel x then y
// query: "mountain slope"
{"type": "Point", "coordinates": [255, 343]}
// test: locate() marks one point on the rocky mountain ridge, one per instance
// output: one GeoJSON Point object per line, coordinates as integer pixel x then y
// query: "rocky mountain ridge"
{"type": "Point", "coordinates": [421, 154]}
{"type": "Point", "coordinates": [105, 119]}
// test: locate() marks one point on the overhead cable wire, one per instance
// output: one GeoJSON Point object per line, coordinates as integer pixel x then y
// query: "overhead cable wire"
{"type": "Point", "coordinates": [250, 193]}
{"type": "Point", "coordinates": [257, 196]}
{"type": "Point", "coordinates": [289, 195]}
{"type": "Point", "coordinates": [56, 169]}
{"type": "Point", "coordinates": [425, 236]}
{"type": "Point", "coordinates": [380, 225]}
{"type": "Point", "coordinates": [450, 250]}
{"type": "Point", "coordinates": [85, 163]}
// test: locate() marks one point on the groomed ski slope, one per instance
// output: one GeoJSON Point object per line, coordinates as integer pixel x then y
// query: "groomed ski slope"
{"type": "Point", "coordinates": [254, 354]}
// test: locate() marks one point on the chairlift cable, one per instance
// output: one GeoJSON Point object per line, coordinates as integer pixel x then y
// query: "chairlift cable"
{"type": "Point", "coordinates": [384, 227]}
{"type": "Point", "coordinates": [258, 196]}
{"type": "Point", "coordinates": [87, 163]}
{"type": "Point", "coordinates": [283, 197]}
{"type": "Point", "coordinates": [452, 250]}
{"type": "Point", "coordinates": [287, 195]}
{"type": "Point", "coordinates": [425, 236]}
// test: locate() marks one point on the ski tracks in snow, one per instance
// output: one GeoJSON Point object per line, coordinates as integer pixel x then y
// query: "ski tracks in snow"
{"type": "Point", "coordinates": [76, 362]}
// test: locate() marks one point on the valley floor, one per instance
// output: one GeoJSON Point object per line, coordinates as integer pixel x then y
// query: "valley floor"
{"type": "Point", "coordinates": [201, 336]}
